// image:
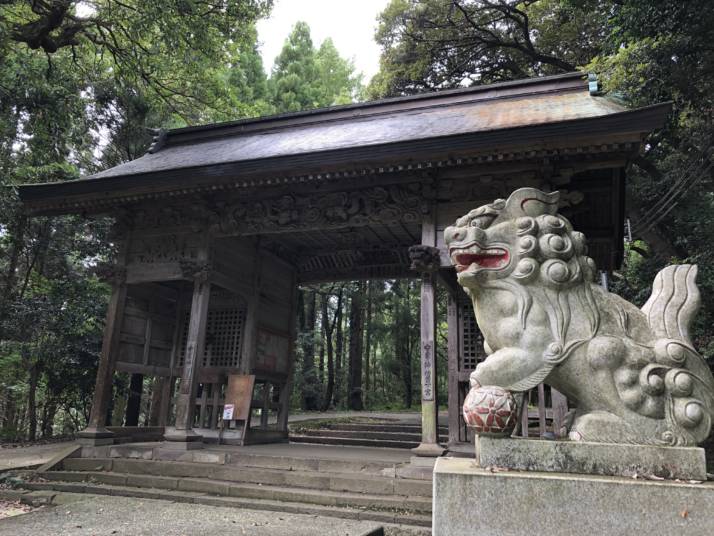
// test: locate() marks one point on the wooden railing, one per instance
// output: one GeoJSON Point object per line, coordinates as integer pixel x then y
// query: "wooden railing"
{"type": "Point", "coordinates": [544, 413]}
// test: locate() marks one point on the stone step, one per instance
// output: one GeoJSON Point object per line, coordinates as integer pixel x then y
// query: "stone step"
{"type": "Point", "coordinates": [349, 482]}
{"type": "Point", "coordinates": [411, 522]}
{"type": "Point", "coordinates": [365, 434]}
{"type": "Point", "coordinates": [204, 457]}
{"type": "Point", "coordinates": [366, 427]}
{"type": "Point", "coordinates": [349, 462]}
{"type": "Point", "coordinates": [353, 441]}
{"type": "Point", "coordinates": [295, 463]}
{"type": "Point", "coordinates": [64, 480]}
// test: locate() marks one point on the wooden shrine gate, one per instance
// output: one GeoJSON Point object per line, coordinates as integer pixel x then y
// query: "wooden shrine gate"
{"type": "Point", "coordinates": [217, 225]}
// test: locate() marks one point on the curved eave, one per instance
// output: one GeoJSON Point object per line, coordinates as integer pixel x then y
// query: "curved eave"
{"type": "Point", "coordinates": [101, 194]}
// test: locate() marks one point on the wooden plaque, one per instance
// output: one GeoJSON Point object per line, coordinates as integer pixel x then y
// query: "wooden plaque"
{"type": "Point", "coordinates": [239, 393]}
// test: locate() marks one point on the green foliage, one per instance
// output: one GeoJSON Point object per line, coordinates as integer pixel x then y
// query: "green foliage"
{"type": "Point", "coordinates": [659, 51]}
{"type": "Point", "coordinates": [80, 82]}
{"type": "Point", "coordinates": [305, 78]}
{"type": "Point", "coordinates": [390, 350]}
{"type": "Point", "coordinates": [434, 44]}
{"type": "Point", "coordinates": [170, 50]}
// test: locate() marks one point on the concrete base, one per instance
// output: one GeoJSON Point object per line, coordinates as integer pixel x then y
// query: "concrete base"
{"type": "Point", "coordinates": [183, 439]}
{"type": "Point", "coordinates": [429, 450]}
{"type": "Point", "coordinates": [421, 461]}
{"type": "Point", "coordinates": [469, 500]}
{"type": "Point", "coordinates": [684, 463]}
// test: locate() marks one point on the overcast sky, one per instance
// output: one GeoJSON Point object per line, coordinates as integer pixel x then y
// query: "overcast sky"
{"type": "Point", "coordinates": [350, 24]}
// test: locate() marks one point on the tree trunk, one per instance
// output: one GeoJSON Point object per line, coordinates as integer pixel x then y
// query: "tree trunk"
{"type": "Point", "coordinates": [327, 328]}
{"type": "Point", "coordinates": [16, 246]}
{"type": "Point", "coordinates": [339, 351]}
{"type": "Point", "coordinates": [310, 397]}
{"type": "Point", "coordinates": [367, 342]}
{"type": "Point", "coordinates": [10, 418]}
{"type": "Point", "coordinates": [48, 418]}
{"type": "Point", "coordinates": [321, 366]}
{"type": "Point", "coordinates": [401, 342]}
{"type": "Point", "coordinates": [117, 402]}
{"type": "Point", "coordinates": [133, 403]}
{"type": "Point", "coordinates": [32, 402]}
{"type": "Point", "coordinates": [354, 383]}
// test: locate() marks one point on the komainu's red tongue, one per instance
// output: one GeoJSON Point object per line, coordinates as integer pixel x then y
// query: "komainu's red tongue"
{"type": "Point", "coordinates": [485, 261]}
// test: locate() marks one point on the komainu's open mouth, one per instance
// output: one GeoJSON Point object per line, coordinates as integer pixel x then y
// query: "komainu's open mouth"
{"type": "Point", "coordinates": [488, 258]}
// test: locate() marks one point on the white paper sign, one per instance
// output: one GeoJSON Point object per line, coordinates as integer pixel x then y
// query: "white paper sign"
{"type": "Point", "coordinates": [228, 412]}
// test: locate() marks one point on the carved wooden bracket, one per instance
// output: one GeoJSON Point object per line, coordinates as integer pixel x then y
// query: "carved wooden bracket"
{"type": "Point", "coordinates": [425, 259]}
{"type": "Point", "coordinates": [199, 272]}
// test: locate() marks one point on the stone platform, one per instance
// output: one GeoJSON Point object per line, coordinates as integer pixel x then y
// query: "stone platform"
{"type": "Point", "coordinates": [469, 500]}
{"type": "Point", "coordinates": [684, 463]}
{"type": "Point", "coordinates": [364, 483]}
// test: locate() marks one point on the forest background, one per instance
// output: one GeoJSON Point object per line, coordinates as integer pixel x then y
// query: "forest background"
{"type": "Point", "coordinates": [82, 83]}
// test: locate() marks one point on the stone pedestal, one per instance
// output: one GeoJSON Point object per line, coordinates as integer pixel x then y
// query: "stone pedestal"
{"type": "Point", "coordinates": [182, 439]}
{"type": "Point", "coordinates": [469, 500]}
{"type": "Point", "coordinates": [95, 436]}
{"type": "Point", "coordinates": [684, 463]}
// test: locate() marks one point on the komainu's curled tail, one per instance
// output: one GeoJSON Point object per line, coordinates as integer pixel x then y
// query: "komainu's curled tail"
{"type": "Point", "coordinates": [689, 389]}
{"type": "Point", "coordinates": [673, 303]}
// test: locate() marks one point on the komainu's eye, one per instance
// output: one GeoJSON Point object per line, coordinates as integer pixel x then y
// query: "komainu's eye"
{"type": "Point", "coordinates": [482, 222]}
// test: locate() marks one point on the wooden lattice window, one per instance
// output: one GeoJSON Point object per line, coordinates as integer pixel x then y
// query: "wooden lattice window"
{"type": "Point", "coordinates": [224, 333]}
{"type": "Point", "coordinates": [472, 352]}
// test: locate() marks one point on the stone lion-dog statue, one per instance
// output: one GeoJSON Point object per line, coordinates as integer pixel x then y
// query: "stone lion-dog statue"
{"type": "Point", "coordinates": [632, 373]}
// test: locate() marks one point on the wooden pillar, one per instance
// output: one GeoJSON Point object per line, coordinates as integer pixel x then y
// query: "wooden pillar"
{"type": "Point", "coordinates": [286, 391]}
{"type": "Point", "coordinates": [251, 317]}
{"type": "Point", "coordinates": [96, 433]}
{"type": "Point", "coordinates": [183, 432]}
{"type": "Point", "coordinates": [426, 260]}
{"type": "Point", "coordinates": [452, 322]}
{"type": "Point", "coordinates": [133, 404]}
{"type": "Point", "coordinates": [560, 409]}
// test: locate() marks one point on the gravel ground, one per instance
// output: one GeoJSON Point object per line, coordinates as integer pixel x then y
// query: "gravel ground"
{"type": "Point", "coordinates": [13, 508]}
{"type": "Point", "coordinates": [95, 515]}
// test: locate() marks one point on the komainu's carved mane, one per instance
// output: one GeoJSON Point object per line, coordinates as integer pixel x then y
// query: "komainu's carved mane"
{"type": "Point", "coordinates": [635, 375]}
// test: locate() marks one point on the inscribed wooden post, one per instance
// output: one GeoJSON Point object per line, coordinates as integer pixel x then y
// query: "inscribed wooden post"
{"type": "Point", "coordinates": [429, 411]}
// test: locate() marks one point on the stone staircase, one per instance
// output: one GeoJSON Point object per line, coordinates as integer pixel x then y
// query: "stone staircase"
{"type": "Point", "coordinates": [343, 488]}
{"type": "Point", "coordinates": [384, 435]}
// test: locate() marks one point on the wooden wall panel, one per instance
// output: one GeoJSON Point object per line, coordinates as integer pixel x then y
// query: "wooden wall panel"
{"type": "Point", "coordinates": [147, 331]}
{"type": "Point", "coordinates": [275, 304]}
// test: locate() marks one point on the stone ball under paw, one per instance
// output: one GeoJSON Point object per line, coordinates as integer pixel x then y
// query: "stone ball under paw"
{"type": "Point", "coordinates": [490, 410]}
